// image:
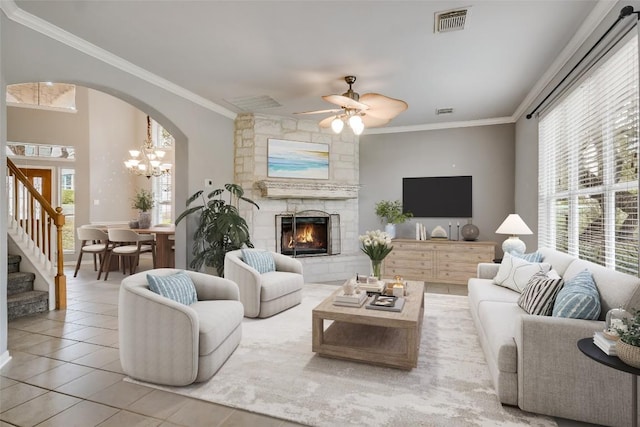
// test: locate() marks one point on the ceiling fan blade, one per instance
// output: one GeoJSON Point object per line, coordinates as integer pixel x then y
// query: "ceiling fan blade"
{"type": "Point", "coordinates": [335, 110]}
{"type": "Point", "coordinates": [383, 107]}
{"type": "Point", "coordinates": [345, 102]}
{"type": "Point", "coordinates": [326, 122]}
{"type": "Point", "coordinates": [372, 122]}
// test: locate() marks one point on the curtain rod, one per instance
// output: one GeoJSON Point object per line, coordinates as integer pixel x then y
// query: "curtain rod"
{"type": "Point", "coordinates": [626, 11]}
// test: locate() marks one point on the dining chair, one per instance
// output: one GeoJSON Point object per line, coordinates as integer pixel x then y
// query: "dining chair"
{"type": "Point", "coordinates": [93, 241]}
{"type": "Point", "coordinates": [128, 245]}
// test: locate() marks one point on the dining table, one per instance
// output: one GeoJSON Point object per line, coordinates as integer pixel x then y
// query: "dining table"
{"type": "Point", "coordinates": [165, 257]}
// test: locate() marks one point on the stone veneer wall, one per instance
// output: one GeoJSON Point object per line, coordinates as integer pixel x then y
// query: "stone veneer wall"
{"type": "Point", "coordinates": [252, 132]}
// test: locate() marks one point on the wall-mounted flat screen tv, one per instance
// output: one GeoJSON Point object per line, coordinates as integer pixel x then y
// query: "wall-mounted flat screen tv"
{"type": "Point", "coordinates": [438, 197]}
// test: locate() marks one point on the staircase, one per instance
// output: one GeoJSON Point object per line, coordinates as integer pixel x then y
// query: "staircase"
{"type": "Point", "coordinates": [22, 300]}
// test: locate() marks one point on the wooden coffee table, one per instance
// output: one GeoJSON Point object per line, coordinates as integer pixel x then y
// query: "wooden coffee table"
{"type": "Point", "coordinates": [377, 337]}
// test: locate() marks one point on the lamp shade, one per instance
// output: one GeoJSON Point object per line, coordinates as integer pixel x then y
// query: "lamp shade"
{"type": "Point", "coordinates": [513, 225]}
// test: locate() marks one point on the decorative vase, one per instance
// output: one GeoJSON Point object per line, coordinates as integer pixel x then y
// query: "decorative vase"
{"type": "Point", "coordinates": [628, 353]}
{"type": "Point", "coordinates": [390, 229]}
{"type": "Point", "coordinates": [375, 268]}
{"type": "Point", "coordinates": [144, 219]}
{"type": "Point", "coordinates": [134, 223]}
{"type": "Point", "coordinates": [469, 232]}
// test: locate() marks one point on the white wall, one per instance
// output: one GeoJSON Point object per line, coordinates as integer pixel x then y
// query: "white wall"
{"type": "Point", "coordinates": [4, 353]}
{"type": "Point", "coordinates": [485, 152]}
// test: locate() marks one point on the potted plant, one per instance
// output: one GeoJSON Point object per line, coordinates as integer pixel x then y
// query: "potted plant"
{"type": "Point", "coordinates": [628, 346]}
{"type": "Point", "coordinates": [220, 227]}
{"type": "Point", "coordinates": [143, 202]}
{"type": "Point", "coordinates": [391, 213]}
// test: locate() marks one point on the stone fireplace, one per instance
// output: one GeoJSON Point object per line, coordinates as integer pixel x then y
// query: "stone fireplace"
{"type": "Point", "coordinates": [326, 204]}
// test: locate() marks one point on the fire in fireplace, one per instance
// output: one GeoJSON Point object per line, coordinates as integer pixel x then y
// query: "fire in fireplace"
{"type": "Point", "coordinates": [305, 234]}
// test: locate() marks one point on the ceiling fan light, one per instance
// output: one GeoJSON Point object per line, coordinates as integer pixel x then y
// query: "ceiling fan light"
{"type": "Point", "coordinates": [358, 128]}
{"type": "Point", "coordinates": [355, 121]}
{"type": "Point", "coordinates": [337, 124]}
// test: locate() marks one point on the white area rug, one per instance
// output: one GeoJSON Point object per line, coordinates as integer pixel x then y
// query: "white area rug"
{"type": "Point", "coordinates": [274, 372]}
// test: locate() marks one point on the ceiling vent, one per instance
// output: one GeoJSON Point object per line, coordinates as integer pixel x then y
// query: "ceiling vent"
{"type": "Point", "coordinates": [253, 103]}
{"type": "Point", "coordinates": [452, 20]}
{"type": "Point", "coordinates": [440, 111]}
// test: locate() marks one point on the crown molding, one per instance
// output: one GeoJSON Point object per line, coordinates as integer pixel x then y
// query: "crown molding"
{"type": "Point", "coordinates": [444, 125]}
{"type": "Point", "coordinates": [14, 13]}
{"type": "Point", "coordinates": [597, 15]}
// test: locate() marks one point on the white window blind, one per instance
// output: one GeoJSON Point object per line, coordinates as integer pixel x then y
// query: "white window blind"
{"type": "Point", "coordinates": [588, 166]}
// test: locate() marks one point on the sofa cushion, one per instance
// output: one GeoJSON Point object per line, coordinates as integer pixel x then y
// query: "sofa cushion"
{"type": "Point", "coordinates": [530, 257]}
{"type": "Point", "coordinates": [579, 298]}
{"type": "Point", "coordinates": [514, 273]}
{"type": "Point", "coordinates": [540, 294]}
{"type": "Point", "coordinates": [217, 320]}
{"type": "Point", "coordinates": [260, 260]}
{"type": "Point", "coordinates": [279, 283]}
{"type": "Point", "coordinates": [499, 320]}
{"type": "Point", "coordinates": [559, 260]}
{"type": "Point", "coordinates": [178, 287]}
{"type": "Point", "coordinates": [485, 290]}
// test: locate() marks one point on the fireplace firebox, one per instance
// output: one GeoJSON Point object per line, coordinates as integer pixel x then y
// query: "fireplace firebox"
{"type": "Point", "coordinates": [308, 233]}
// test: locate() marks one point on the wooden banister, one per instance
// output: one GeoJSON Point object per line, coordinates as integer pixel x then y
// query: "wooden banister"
{"type": "Point", "coordinates": [35, 215]}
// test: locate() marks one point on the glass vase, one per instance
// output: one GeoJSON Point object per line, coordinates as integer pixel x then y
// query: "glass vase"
{"type": "Point", "coordinates": [375, 268]}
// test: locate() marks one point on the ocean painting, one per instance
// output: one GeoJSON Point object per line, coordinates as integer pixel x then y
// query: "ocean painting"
{"type": "Point", "coordinates": [294, 159]}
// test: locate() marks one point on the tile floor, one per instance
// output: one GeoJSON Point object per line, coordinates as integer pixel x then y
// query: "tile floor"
{"type": "Point", "coordinates": [65, 369]}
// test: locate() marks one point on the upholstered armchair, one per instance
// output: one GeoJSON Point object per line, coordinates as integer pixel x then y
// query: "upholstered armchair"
{"type": "Point", "coordinates": [167, 342]}
{"type": "Point", "coordinates": [265, 294]}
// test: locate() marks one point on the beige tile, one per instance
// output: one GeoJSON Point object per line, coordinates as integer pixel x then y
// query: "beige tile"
{"type": "Point", "coordinates": [82, 414]}
{"type": "Point", "coordinates": [39, 409]}
{"type": "Point", "coordinates": [40, 326]}
{"type": "Point", "coordinates": [59, 375]}
{"type": "Point", "coordinates": [196, 413]}
{"type": "Point", "coordinates": [164, 424]}
{"type": "Point", "coordinates": [114, 366]}
{"type": "Point", "coordinates": [290, 424]}
{"type": "Point", "coordinates": [99, 358]}
{"type": "Point", "coordinates": [458, 290]}
{"type": "Point", "coordinates": [242, 419]}
{"type": "Point", "coordinates": [30, 368]}
{"type": "Point", "coordinates": [48, 346]}
{"type": "Point", "coordinates": [18, 358]}
{"type": "Point", "coordinates": [159, 404]}
{"type": "Point", "coordinates": [108, 338]}
{"type": "Point", "coordinates": [129, 419]}
{"type": "Point", "coordinates": [121, 394]}
{"type": "Point", "coordinates": [99, 321]}
{"type": "Point", "coordinates": [6, 382]}
{"type": "Point", "coordinates": [74, 351]}
{"type": "Point", "coordinates": [18, 394]}
{"type": "Point", "coordinates": [62, 329]}
{"type": "Point", "coordinates": [26, 341]}
{"type": "Point", "coordinates": [84, 333]}
{"type": "Point", "coordinates": [90, 384]}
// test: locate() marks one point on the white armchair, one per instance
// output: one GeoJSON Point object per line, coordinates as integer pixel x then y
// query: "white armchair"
{"type": "Point", "coordinates": [264, 295]}
{"type": "Point", "coordinates": [165, 342]}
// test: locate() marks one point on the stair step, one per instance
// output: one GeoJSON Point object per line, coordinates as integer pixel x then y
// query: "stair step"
{"type": "Point", "coordinates": [14, 263]}
{"type": "Point", "coordinates": [27, 303]}
{"type": "Point", "coordinates": [20, 281]}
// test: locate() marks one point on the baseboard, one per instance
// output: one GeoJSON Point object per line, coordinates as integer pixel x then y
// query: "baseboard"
{"type": "Point", "coordinates": [4, 358]}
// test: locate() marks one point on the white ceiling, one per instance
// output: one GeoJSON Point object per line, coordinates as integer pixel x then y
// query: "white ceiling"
{"type": "Point", "coordinates": [296, 51]}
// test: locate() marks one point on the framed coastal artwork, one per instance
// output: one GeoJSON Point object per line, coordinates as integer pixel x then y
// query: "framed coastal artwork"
{"type": "Point", "coordinates": [295, 159]}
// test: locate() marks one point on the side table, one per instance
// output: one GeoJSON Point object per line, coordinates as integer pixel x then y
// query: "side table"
{"type": "Point", "coordinates": [588, 348]}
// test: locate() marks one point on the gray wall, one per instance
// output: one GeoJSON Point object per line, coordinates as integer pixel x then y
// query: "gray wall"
{"type": "Point", "coordinates": [485, 152]}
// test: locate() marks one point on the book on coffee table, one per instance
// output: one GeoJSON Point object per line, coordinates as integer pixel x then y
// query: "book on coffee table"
{"type": "Point", "coordinates": [386, 303]}
{"type": "Point", "coordinates": [353, 300]}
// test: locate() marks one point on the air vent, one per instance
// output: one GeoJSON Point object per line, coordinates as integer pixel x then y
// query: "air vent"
{"type": "Point", "coordinates": [440, 111]}
{"type": "Point", "coordinates": [452, 20]}
{"type": "Point", "coordinates": [253, 103]}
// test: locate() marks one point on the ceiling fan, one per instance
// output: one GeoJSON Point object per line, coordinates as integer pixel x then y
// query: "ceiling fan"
{"type": "Point", "coordinates": [368, 110]}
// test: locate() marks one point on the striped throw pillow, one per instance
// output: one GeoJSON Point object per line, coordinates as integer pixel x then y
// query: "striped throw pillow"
{"type": "Point", "coordinates": [579, 298]}
{"type": "Point", "coordinates": [178, 287]}
{"type": "Point", "coordinates": [540, 294]}
{"type": "Point", "coordinates": [260, 260]}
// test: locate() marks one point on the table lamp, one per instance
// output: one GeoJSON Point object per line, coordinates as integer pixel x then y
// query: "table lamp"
{"type": "Point", "coordinates": [513, 225]}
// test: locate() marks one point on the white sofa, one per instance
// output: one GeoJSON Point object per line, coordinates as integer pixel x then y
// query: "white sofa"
{"type": "Point", "coordinates": [534, 360]}
{"type": "Point", "coordinates": [165, 342]}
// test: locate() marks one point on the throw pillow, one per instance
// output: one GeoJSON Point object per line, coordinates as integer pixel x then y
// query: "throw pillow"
{"type": "Point", "coordinates": [514, 273]}
{"type": "Point", "coordinates": [540, 294]}
{"type": "Point", "coordinates": [178, 287]}
{"type": "Point", "coordinates": [579, 298]}
{"type": "Point", "coordinates": [531, 257]}
{"type": "Point", "coordinates": [260, 260]}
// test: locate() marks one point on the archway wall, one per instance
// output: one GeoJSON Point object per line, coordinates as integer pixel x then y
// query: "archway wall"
{"type": "Point", "coordinates": [204, 138]}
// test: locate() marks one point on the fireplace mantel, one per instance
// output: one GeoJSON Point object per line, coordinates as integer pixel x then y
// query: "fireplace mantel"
{"type": "Point", "coordinates": [307, 190]}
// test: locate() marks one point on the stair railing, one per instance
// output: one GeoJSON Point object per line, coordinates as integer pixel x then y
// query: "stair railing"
{"type": "Point", "coordinates": [35, 215]}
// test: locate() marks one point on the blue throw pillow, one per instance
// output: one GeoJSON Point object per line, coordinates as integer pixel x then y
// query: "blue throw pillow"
{"type": "Point", "coordinates": [178, 287]}
{"type": "Point", "coordinates": [531, 257]}
{"type": "Point", "coordinates": [579, 298]}
{"type": "Point", "coordinates": [260, 260]}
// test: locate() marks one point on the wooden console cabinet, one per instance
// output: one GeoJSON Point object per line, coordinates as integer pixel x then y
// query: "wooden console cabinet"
{"type": "Point", "coordinates": [439, 261]}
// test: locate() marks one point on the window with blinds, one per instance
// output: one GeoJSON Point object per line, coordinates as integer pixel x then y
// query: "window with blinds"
{"type": "Point", "coordinates": [588, 166]}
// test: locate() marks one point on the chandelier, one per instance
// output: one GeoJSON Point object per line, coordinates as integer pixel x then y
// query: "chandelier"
{"type": "Point", "coordinates": [147, 161]}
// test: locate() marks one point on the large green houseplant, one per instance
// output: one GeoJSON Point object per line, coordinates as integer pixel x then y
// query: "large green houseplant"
{"type": "Point", "coordinates": [220, 227]}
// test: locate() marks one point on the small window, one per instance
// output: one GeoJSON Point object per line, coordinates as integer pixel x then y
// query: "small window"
{"type": "Point", "coordinates": [56, 96]}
